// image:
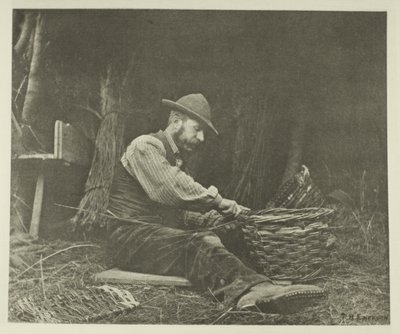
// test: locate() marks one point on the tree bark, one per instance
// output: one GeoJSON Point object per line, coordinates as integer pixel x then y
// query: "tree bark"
{"type": "Point", "coordinates": [34, 84]}
{"type": "Point", "coordinates": [108, 150]}
{"type": "Point", "coordinates": [33, 110]}
{"type": "Point", "coordinates": [28, 25]}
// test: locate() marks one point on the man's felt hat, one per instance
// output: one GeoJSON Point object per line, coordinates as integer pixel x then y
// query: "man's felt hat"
{"type": "Point", "coordinates": [195, 106]}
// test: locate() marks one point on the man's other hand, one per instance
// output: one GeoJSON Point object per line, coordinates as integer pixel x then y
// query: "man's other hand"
{"type": "Point", "coordinates": [229, 207]}
{"type": "Point", "coordinates": [244, 209]}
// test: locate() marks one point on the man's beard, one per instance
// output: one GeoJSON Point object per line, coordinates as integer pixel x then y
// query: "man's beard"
{"type": "Point", "coordinates": [183, 147]}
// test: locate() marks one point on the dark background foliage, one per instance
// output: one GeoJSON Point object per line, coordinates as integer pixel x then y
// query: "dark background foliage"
{"type": "Point", "coordinates": [326, 67]}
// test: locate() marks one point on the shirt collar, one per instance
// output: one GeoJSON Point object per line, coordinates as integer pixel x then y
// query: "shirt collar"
{"type": "Point", "coordinates": [171, 143]}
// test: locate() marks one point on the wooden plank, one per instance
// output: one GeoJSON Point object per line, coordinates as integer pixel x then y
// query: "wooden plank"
{"type": "Point", "coordinates": [37, 206]}
{"type": "Point", "coordinates": [71, 145]}
{"type": "Point", "coordinates": [58, 139]}
{"type": "Point", "coordinates": [127, 277]}
{"type": "Point", "coordinates": [36, 156]}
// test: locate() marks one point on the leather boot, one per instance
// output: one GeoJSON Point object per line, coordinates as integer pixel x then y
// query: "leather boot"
{"type": "Point", "coordinates": [271, 298]}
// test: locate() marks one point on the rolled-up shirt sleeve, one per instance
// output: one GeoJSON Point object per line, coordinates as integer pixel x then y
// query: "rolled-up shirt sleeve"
{"type": "Point", "coordinates": [145, 159]}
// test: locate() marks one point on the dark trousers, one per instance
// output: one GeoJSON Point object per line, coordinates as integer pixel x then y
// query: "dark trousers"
{"type": "Point", "coordinates": [198, 256]}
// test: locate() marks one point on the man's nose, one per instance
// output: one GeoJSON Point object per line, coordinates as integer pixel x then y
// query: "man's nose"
{"type": "Point", "coordinates": [200, 136]}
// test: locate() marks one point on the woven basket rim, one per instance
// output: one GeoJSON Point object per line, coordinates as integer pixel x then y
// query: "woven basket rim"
{"type": "Point", "coordinates": [286, 216]}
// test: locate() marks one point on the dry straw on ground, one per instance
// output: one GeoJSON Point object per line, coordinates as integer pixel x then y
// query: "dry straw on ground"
{"type": "Point", "coordinates": [358, 287]}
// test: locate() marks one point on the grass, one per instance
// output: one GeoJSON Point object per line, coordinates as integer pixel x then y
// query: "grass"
{"type": "Point", "coordinates": [358, 282]}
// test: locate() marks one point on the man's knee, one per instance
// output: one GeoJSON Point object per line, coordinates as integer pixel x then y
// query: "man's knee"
{"type": "Point", "coordinates": [212, 240]}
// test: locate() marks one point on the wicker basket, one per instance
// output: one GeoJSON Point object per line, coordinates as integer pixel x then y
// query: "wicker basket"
{"type": "Point", "coordinates": [288, 243]}
{"type": "Point", "coordinates": [75, 305]}
{"type": "Point", "coordinates": [298, 192]}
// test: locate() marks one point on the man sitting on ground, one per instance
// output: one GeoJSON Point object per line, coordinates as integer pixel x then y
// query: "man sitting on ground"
{"type": "Point", "coordinates": [156, 200]}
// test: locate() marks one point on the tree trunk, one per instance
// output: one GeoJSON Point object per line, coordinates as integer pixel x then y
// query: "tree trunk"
{"type": "Point", "coordinates": [108, 150]}
{"type": "Point", "coordinates": [33, 110]}
{"type": "Point", "coordinates": [28, 25]}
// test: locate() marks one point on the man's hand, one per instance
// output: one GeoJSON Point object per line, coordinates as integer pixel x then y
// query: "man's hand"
{"type": "Point", "coordinates": [229, 207]}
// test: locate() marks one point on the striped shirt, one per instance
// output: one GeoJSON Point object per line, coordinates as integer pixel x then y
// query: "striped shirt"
{"type": "Point", "coordinates": [145, 160]}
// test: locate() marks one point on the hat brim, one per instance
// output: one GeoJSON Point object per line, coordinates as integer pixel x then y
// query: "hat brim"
{"type": "Point", "coordinates": [178, 107]}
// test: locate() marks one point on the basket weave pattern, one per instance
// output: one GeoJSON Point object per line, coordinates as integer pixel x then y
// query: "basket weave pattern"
{"type": "Point", "coordinates": [75, 305]}
{"type": "Point", "coordinates": [289, 240]}
{"type": "Point", "coordinates": [293, 248]}
{"type": "Point", "coordinates": [298, 192]}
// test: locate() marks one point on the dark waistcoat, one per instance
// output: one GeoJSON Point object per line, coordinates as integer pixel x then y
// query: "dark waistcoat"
{"type": "Point", "coordinates": [128, 198]}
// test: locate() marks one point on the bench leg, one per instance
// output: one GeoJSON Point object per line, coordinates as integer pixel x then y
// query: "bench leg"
{"type": "Point", "coordinates": [37, 206]}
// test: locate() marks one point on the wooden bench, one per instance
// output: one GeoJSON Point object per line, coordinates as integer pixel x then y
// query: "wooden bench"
{"type": "Point", "coordinates": [70, 147]}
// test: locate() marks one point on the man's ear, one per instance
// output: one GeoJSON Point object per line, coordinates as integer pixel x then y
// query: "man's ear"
{"type": "Point", "coordinates": [178, 122]}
